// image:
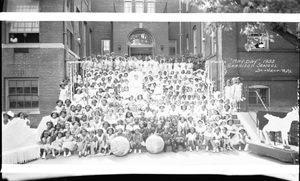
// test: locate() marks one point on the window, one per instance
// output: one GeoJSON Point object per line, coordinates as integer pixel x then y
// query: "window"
{"type": "Point", "coordinates": [22, 94]}
{"type": "Point", "coordinates": [172, 47]}
{"type": "Point", "coordinates": [213, 43]}
{"type": "Point", "coordinates": [258, 41]}
{"type": "Point", "coordinates": [139, 6]}
{"type": "Point", "coordinates": [263, 92]}
{"type": "Point", "coordinates": [151, 6]}
{"type": "Point", "coordinates": [23, 31]}
{"type": "Point", "coordinates": [70, 40]}
{"type": "Point", "coordinates": [187, 7]}
{"type": "Point", "coordinates": [105, 47]}
{"type": "Point", "coordinates": [84, 38]}
{"type": "Point", "coordinates": [127, 6]}
{"type": "Point", "coordinates": [187, 42]}
{"type": "Point", "coordinates": [202, 40]}
{"type": "Point", "coordinates": [195, 38]}
{"type": "Point", "coordinates": [90, 42]}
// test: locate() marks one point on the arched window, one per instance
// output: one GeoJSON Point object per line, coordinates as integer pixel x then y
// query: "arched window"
{"type": "Point", "coordinates": [258, 94]}
{"type": "Point", "coordinates": [140, 38]}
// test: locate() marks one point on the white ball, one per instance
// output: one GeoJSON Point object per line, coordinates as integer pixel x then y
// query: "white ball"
{"type": "Point", "coordinates": [120, 146]}
{"type": "Point", "coordinates": [154, 144]}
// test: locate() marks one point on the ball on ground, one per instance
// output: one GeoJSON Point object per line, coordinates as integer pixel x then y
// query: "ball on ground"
{"type": "Point", "coordinates": [120, 146]}
{"type": "Point", "coordinates": [154, 144]}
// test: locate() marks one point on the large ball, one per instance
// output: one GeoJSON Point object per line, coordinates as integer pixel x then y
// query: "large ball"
{"type": "Point", "coordinates": [154, 144]}
{"type": "Point", "coordinates": [120, 146]}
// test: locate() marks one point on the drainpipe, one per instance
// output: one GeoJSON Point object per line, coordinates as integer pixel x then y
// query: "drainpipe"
{"type": "Point", "coordinates": [180, 35]}
{"type": "Point", "coordinates": [65, 39]}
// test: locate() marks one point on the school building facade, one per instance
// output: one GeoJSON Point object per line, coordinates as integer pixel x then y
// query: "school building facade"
{"type": "Point", "coordinates": [33, 67]}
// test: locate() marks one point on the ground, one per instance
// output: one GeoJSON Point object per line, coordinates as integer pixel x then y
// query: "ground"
{"type": "Point", "coordinates": [231, 163]}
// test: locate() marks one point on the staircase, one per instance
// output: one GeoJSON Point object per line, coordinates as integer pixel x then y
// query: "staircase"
{"type": "Point", "coordinates": [248, 120]}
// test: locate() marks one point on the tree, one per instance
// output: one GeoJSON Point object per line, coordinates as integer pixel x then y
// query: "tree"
{"type": "Point", "coordinates": [252, 6]}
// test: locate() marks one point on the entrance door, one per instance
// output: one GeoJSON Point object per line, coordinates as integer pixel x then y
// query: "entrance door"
{"type": "Point", "coordinates": [144, 50]}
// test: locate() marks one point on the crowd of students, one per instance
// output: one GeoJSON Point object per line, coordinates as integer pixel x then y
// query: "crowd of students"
{"type": "Point", "coordinates": [135, 98]}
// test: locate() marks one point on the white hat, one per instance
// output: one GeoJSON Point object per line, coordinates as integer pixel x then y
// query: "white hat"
{"type": "Point", "coordinates": [11, 114]}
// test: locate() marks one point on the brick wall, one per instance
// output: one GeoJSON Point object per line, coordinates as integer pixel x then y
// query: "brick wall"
{"type": "Point", "coordinates": [46, 65]}
{"type": "Point", "coordinates": [101, 30]}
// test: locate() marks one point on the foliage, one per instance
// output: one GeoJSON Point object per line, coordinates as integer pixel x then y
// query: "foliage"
{"type": "Point", "coordinates": [251, 6]}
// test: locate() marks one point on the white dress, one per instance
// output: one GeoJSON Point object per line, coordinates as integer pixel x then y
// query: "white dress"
{"type": "Point", "coordinates": [63, 95]}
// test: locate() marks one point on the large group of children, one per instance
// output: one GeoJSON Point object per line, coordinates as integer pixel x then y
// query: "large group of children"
{"type": "Point", "coordinates": [136, 98]}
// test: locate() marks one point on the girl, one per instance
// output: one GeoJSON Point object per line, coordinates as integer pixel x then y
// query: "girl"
{"type": "Point", "coordinates": [59, 106]}
{"type": "Point", "coordinates": [45, 143]}
{"type": "Point", "coordinates": [111, 117]}
{"type": "Point", "coordinates": [226, 110]}
{"type": "Point", "coordinates": [217, 140]}
{"type": "Point", "coordinates": [88, 111]}
{"type": "Point", "coordinates": [137, 139]}
{"type": "Point", "coordinates": [101, 141]}
{"type": "Point", "coordinates": [208, 137]}
{"type": "Point", "coordinates": [67, 127]}
{"type": "Point", "coordinates": [110, 137]}
{"type": "Point", "coordinates": [233, 130]}
{"type": "Point", "coordinates": [129, 118]}
{"type": "Point", "coordinates": [243, 139]}
{"type": "Point", "coordinates": [63, 118]}
{"type": "Point", "coordinates": [92, 144]}
{"type": "Point", "coordinates": [75, 130]}
{"type": "Point", "coordinates": [128, 135]}
{"type": "Point", "coordinates": [57, 144]}
{"type": "Point", "coordinates": [72, 110]}
{"type": "Point", "coordinates": [183, 125]}
{"type": "Point", "coordinates": [96, 124]}
{"type": "Point", "coordinates": [191, 139]}
{"type": "Point", "coordinates": [64, 93]}
{"type": "Point", "coordinates": [79, 110]}
{"type": "Point", "coordinates": [54, 117]}
{"type": "Point", "coordinates": [225, 139]}
{"type": "Point", "coordinates": [82, 140]}
{"type": "Point", "coordinates": [23, 116]}
{"type": "Point", "coordinates": [68, 144]}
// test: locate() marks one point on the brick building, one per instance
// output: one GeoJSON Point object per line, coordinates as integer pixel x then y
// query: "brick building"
{"type": "Point", "coordinates": [35, 65]}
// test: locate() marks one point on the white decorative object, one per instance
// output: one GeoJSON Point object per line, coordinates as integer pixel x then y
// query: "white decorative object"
{"type": "Point", "coordinates": [154, 144]}
{"type": "Point", "coordinates": [120, 146]}
{"type": "Point", "coordinates": [281, 124]}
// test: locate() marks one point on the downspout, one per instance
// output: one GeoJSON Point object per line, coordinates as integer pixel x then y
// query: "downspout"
{"type": "Point", "coordinates": [180, 35]}
{"type": "Point", "coordinates": [65, 39]}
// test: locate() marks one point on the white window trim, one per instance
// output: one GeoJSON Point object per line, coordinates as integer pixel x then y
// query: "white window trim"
{"type": "Point", "coordinates": [130, 6]}
{"type": "Point", "coordinates": [187, 42]}
{"type": "Point", "coordinates": [102, 45]}
{"type": "Point", "coordinates": [202, 40]}
{"type": "Point", "coordinates": [136, 1]}
{"type": "Point", "coordinates": [262, 87]}
{"type": "Point", "coordinates": [187, 7]}
{"type": "Point", "coordinates": [213, 50]}
{"type": "Point", "coordinates": [17, 110]}
{"type": "Point", "coordinates": [261, 49]}
{"type": "Point", "coordinates": [151, 1]}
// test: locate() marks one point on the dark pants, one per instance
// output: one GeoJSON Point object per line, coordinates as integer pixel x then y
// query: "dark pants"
{"type": "Point", "coordinates": [178, 143]}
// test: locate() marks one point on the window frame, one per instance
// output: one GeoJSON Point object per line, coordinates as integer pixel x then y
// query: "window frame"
{"type": "Point", "coordinates": [195, 39]}
{"type": "Point", "coordinates": [9, 25]}
{"type": "Point", "coordinates": [148, 7]}
{"type": "Point", "coordinates": [128, 1]}
{"type": "Point", "coordinates": [187, 42]}
{"type": "Point", "coordinates": [258, 102]}
{"type": "Point", "coordinates": [35, 110]}
{"type": "Point", "coordinates": [213, 43]}
{"type": "Point", "coordinates": [102, 46]}
{"type": "Point", "coordinates": [90, 41]}
{"type": "Point", "coordinates": [171, 42]}
{"type": "Point", "coordinates": [143, 6]}
{"type": "Point", "coordinates": [202, 40]}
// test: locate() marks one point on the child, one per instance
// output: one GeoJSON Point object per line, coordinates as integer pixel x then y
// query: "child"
{"type": "Point", "coordinates": [137, 139]}
{"type": "Point", "coordinates": [191, 139]}
{"type": "Point", "coordinates": [208, 137]}
{"type": "Point", "coordinates": [75, 130]}
{"type": "Point", "coordinates": [179, 139]}
{"type": "Point", "coordinates": [128, 135]}
{"type": "Point", "coordinates": [45, 143]}
{"type": "Point", "coordinates": [243, 139]}
{"type": "Point", "coordinates": [57, 144]}
{"type": "Point", "coordinates": [110, 137]}
{"type": "Point", "coordinates": [81, 142]}
{"type": "Point", "coordinates": [166, 136]}
{"type": "Point", "coordinates": [225, 139]}
{"type": "Point", "coordinates": [54, 117]}
{"type": "Point", "coordinates": [101, 141]}
{"type": "Point", "coordinates": [59, 106]}
{"type": "Point", "coordinates": [68, 144]}
{"type": "Point", "coordinates": [92, 144]}
{"type": "Point", "coordinates": [217, 139]}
